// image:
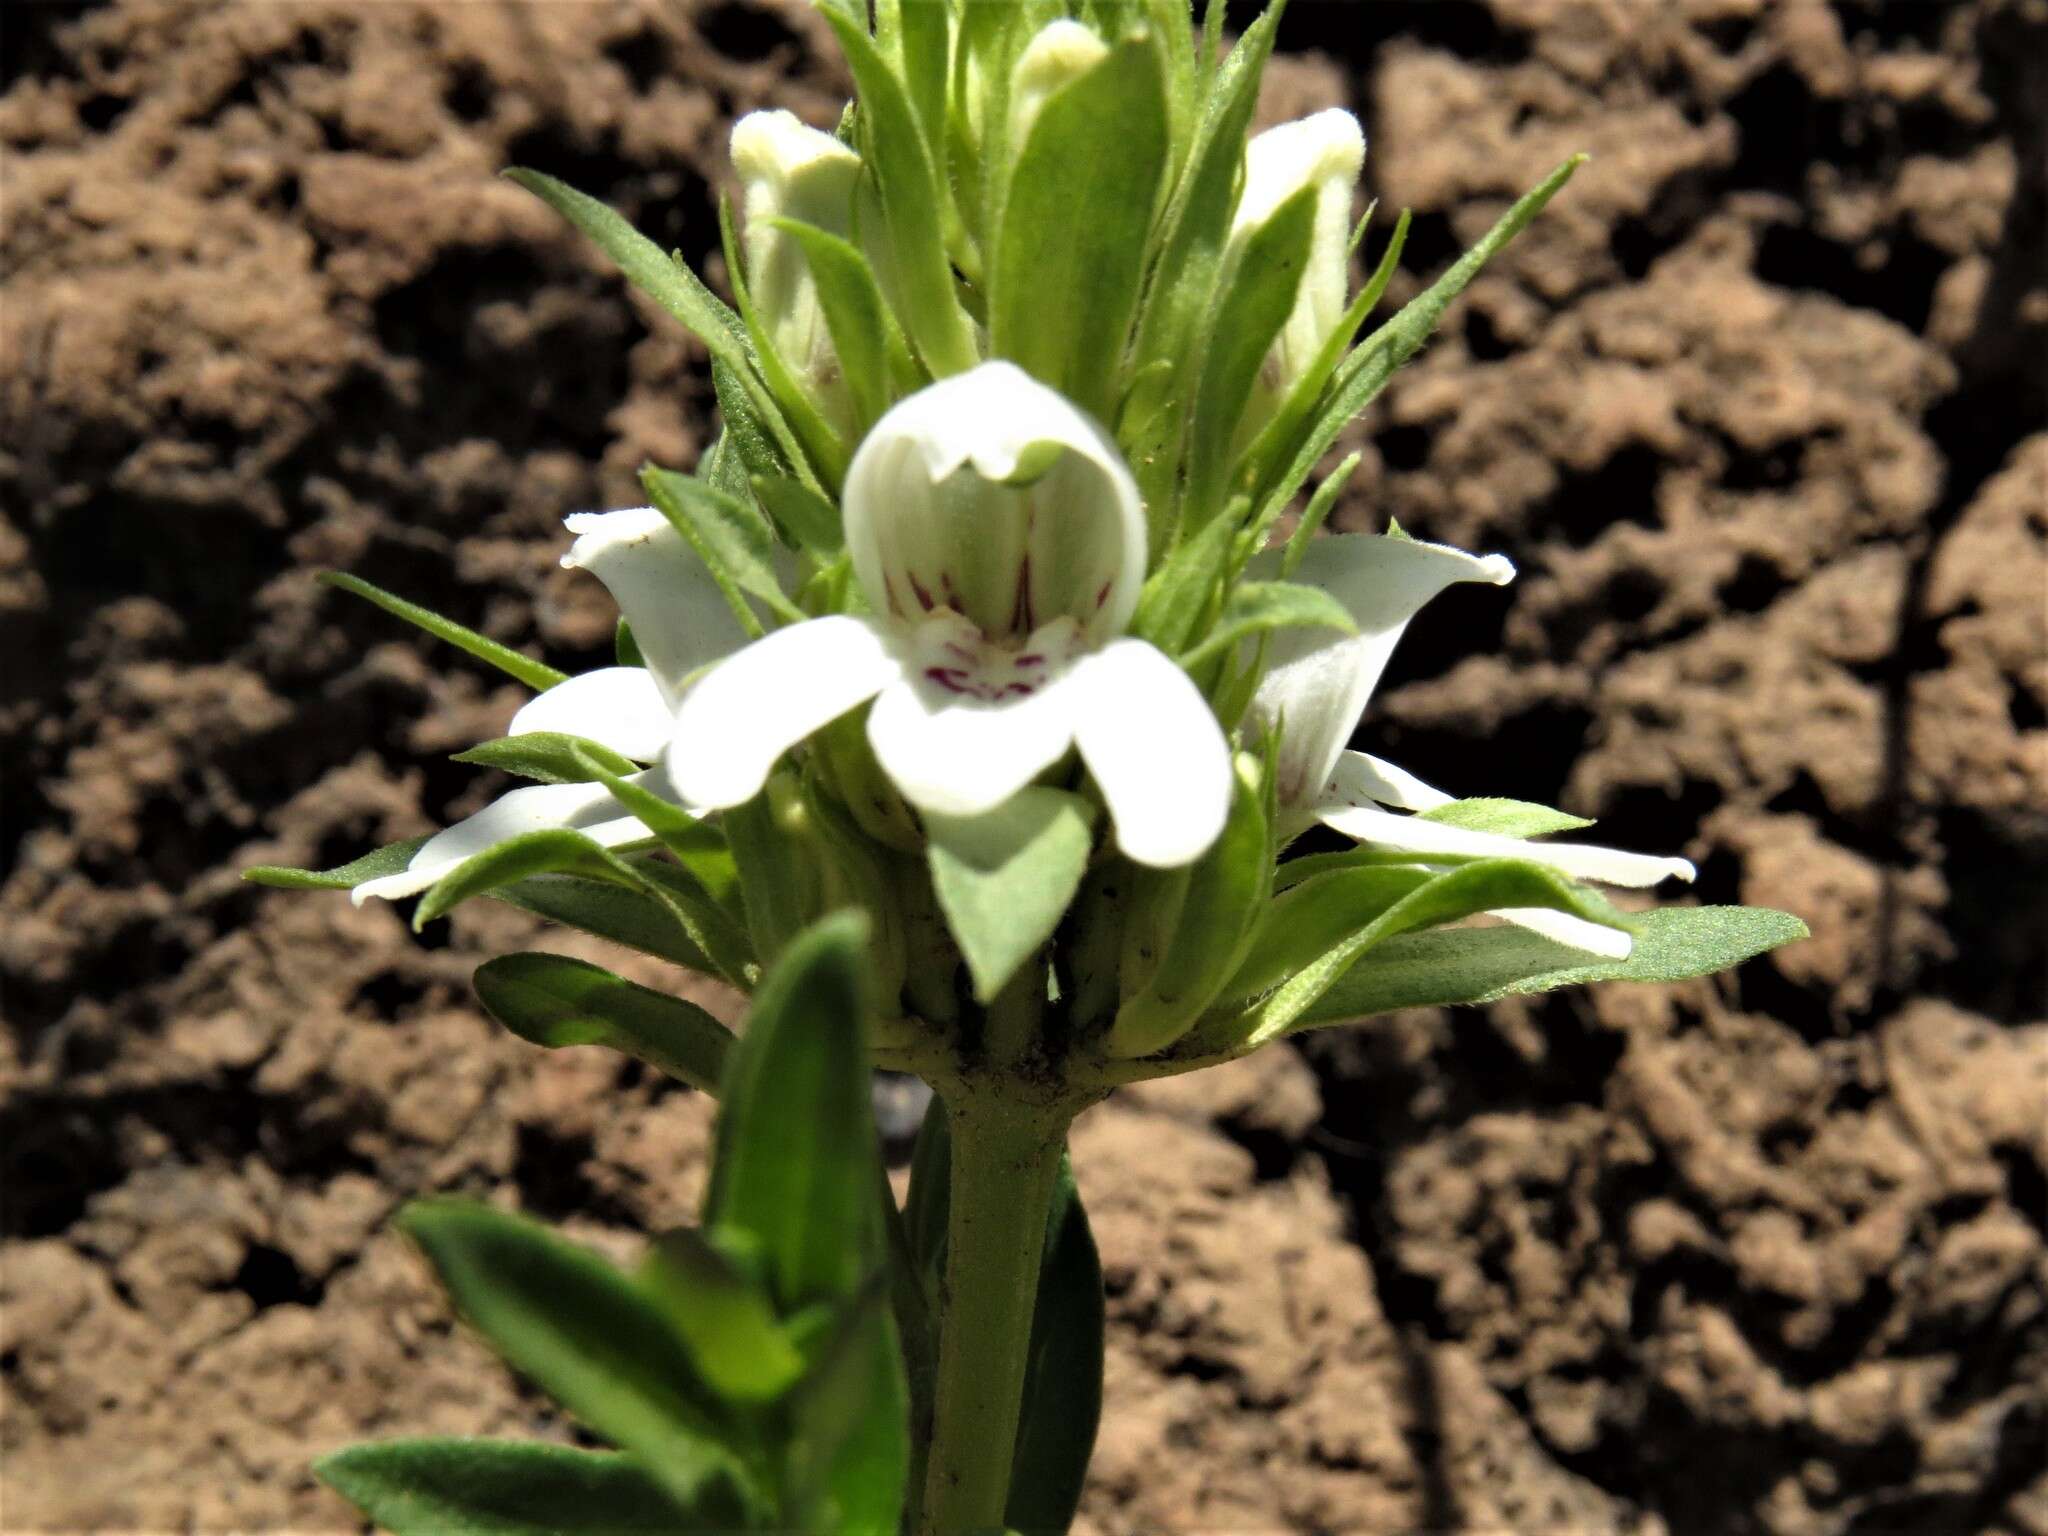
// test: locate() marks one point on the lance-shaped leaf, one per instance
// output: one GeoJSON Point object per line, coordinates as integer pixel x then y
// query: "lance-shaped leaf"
{"type": "Point", "coordinates": [1485, 886]}
{"type": "Point", "coordinates": [1262, 283]}
{"type": "Point", "coordinates": [1506, 818]}
{"type": "Point", "coordinates": [794, 1169]}
{"type": "Point", "coordinates": [1005, 879]}
{"type": "Point", "coordinates": [1373, 362]}
{"type": "Point", "coordinates": [741, 1349]}
{"type": "Point", "coordinates": [731, 539]}
{"type": "Point", "coordinates": [1225, 892]}
{"type": "Point", "coordinates": [537, 675]}
{"type": "Point", "coordinates": [806, 518]}
{"type": "Point", "coordinates": [848, 1455]}
{"type": "Point", "coordinates": [1258, 607]}
{"type": "Point", "coordinates": [554, 1001]}
{"type": "Point", "coordinates": [512, 1488]}
{"type": "Point", "coordinates": [582, 1332]}
{"type": "Point", "coordinates": [1175, 597]}
{"type": "Point", "coordinates": [1483, 965]}
{"type": "Point", "coordinates": [391, 859]}
{"type": "Point", "coordinates": [548, 756]}
{"type": "Point", "coordinates": [855, 314]}
{"type": "Point", "coordinates": [902, 168]}
{"type": "Point", "coordinates": [1070, 246]}
{"type": "Point", "coordinates": [614, 912]}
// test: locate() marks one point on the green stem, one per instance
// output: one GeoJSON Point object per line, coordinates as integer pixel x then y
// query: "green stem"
{"type": "Point", "coordinates": [1005, 1160]}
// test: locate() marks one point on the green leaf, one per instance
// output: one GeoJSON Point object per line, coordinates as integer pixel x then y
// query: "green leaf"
{"type": "Point", "coordinates": [901, 166]}
{"type": "Point", "coordinates": [746, 447]}
{"type": "Point", "coordinates": [1063, 1379]}
{"type": "Point", "coordinates": [1174, 597]}
{"type": "Point", "coordinates": [1070, 246]}
{"type": "Point", "coordinates": [551, 851]}
{"type": "Point", "coordinates": [731, 1331]}
{"type": "Point", "coordinates": [794, 1168]}
{"type": "Point", "coordinates": [1225, 892]}
{"type": "Point", "coordinates": [1506, 818]}
{"type": "Point", "coordinates": [615, 912]}
{"type": "Point", "coordinates": [1256, 607]}
{"type": "Point", "coordinates": [730, 537]}
{"type": "Point", "coordinates": [1316, 514]}
{"type": "Point", "coordinates": [777, 860]}
{"type": "Point", "coordinates": [554, 1001]}
{"type": "Point", "coordinates": [1483, 886]}
{"type": "Point", "coordinates": [1005, 879]}
{"type": "Point", "coordinates": [1483, 965]}
{"type": "Point", "coordinates": [854, 312]}
{"type": "Point", "coordinates": [647, 266]}
{"type": "Point", "coordinates": [1373, 362]}
{"type": "Point", "coordinates": [1259, 295]}
{"type": "Point", "coordinates": [581, 1331]}
{"type": "Point", "coordinates": [548, 756]}
{"type": "Point", "coordinates": [505, 1488]}
{"type": "Point", "coordinates": [391, 859]}
{"type": "Point", "coordinates": [809, 520]}
{"type": "Point", "coordinates": [849, 1448]}
{"type": "Point", "coordinates": [537, 675]}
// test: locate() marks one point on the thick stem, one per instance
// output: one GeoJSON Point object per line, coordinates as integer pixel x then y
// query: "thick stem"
{"type": "Point", "coordinates": [1005, 1160]}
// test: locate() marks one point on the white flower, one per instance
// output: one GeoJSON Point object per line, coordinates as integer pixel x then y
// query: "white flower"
{"type": "Point", "coordinates": [1000, 542]}
{"type": "Point", "coordinates": [680, 621]}
{"type": "Point", "coordinates": [1325, 152]}
{"type": "Point", "coordinates": [790, 170]}
{"type": "Point", "coordinates": [1316, 690]}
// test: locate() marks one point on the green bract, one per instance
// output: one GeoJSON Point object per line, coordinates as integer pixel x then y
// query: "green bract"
{"type": "Point", "coordinates": [966, 716]}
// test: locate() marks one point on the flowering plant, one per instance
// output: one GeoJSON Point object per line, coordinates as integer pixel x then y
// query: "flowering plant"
{"type": "Point", "coordinates": [969, 713]}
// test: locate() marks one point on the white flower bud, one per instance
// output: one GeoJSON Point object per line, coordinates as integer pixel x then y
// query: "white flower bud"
{"type": "Point", "coordinates": [790, 170]}
{"type": "Point", "coordinates": [1060, 54]}
{"type": "Point", "coordinates": [1325, 152]}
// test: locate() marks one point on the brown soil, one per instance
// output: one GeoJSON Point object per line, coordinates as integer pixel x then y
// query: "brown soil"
{"type": "Point", "coordinates": [1758, 410]}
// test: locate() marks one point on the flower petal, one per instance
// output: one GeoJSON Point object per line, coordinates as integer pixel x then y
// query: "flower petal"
{"type": "Point", "coordinates": [678, 616]}
{"type": "Point", "coordinates": [617, 707]}
{"type": "Point", "coordinates": [1320, 686]}
{"type": "Point", "coordinates": [760, 702]}
{"type": "Point", "coordinates": [1009, 555]}
{"type": "Point", "coordinates": [1576, 932]}
{"type": "Point", "coordinates": [957, 755]}
{"type": "Point", "coordinates": [1361, 777]}
{"type": "Point", "coordinates": [1155, 750]}
{"type": "Point", "coordinates": [586, 808]}
{"type": "Point", "coordinates": [1609, 866]}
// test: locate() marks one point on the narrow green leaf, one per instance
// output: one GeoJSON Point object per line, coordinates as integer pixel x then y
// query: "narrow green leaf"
{"type": "Point", "coordinates": [901, 165]}
{"type": "Point", "coordinates": [391, 859]}
{"type": "Point", "coordinates": [728, 1325]}
{"type": "Point", "coordinates": [730, 537]}
{"type": "Point", "coordinates": [1257, 607]}
{"type": "Point", "coordinates": [849, 1449]}
{"type": "Point", "coordinates": [580, 1330]}
{"type": "Point", "coordinates": [1225, 892]}
{"type": "Point", "coordinates": [1482, 965]}
{"type": "Point", "coordinates": [746, 447]}
{"type": "Point", "coordinates": [1317, 513]}
{"type": "Point", "coordinates": [1063, 1379]}
{"type": "Point", "coordinates": [1373, 362]}
{"type": "Point", "coordinates": [554, 1001]}
{"type": "Point", "coordinates": [807, 518]}
{"type": "Point", "coordinates": [777, 861]}
{"type": "Point", "coordinates": [794, 1168]}
{"type": "Point", "coordinates": [1482, 886]}
{"type": "Point", "coordinates": [548, 756]}
{"type": "Point", "coordinates": [1005, 879]}
{"type": "Point", "coordinates": [1070, 246]}
{"type": "Point", "coordinates": [1506, 818]}
{"type": "Point", "coordinates": [537, 675]}
{"type": "Point", "coordinates": [615, 912]}
{"type": "Point", "coordinates": [552, 851]}
{"type": "Point", "coordinates": [855, 313]}
{"type": "Point", "coordinates": [1258, 296]}
{"type": "Point", "coordinates": [1313, 914]}
{"type": "Point", "coordinates": [1174, 597]}
{"type": "Point", "coordinates": [505, 1488]}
